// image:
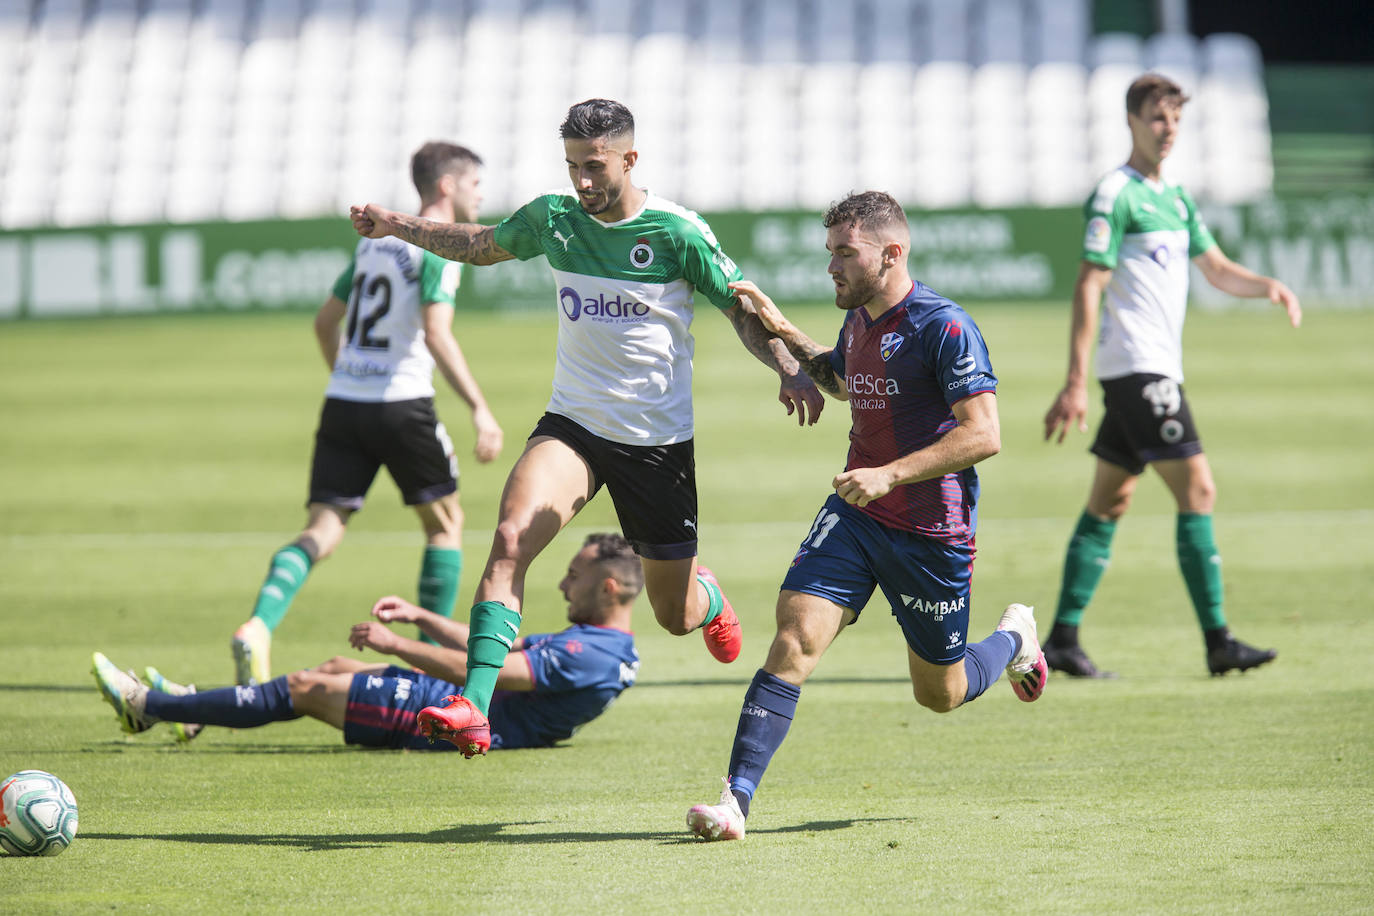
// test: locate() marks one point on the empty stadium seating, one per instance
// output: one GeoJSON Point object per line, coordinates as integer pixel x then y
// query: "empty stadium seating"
{"type": "Point", "coordinates": [129, 111]}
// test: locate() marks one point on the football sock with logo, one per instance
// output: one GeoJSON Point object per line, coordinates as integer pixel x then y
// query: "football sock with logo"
{"type": "Point", "coordinates": [1089, 551]}
{"type": "Point", "coordinates": [769, 705]}
{"type": "Point", "coordinates": [439, 575]}
{"type": "Point", "coordinates": [493, 628]}
{"type": "Point", "coordinates": [290, 566]}
{"type": "Point", "coordinates": [1201, 566]}
{"type": "Point", "coordinates": [229, 707]}
{"type": "Point", "coordinates": [714, 600]}
{"type": "Point", "coordinates": [985, 661]}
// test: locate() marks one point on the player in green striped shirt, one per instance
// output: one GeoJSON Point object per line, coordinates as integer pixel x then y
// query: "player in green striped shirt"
{"type": "Point", "coordinates": [626, 265]}
{"type": "Point", "coordinates": [1142, 232]}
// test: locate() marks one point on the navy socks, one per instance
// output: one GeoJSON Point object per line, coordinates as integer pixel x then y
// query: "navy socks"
{"type": "Point", "coordinates": [764, 719]}
{"type": "Point", "coordinates": [230, 707]}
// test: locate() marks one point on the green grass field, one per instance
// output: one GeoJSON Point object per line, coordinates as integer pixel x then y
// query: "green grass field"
{"type": "Point", "coordinates": [152, 465]}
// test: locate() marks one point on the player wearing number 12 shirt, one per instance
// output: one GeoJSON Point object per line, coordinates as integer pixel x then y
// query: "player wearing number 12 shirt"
{"type": "Point", "coordinates": [922, 395]}
{"type": "Point", "coordinates": [383, 332]}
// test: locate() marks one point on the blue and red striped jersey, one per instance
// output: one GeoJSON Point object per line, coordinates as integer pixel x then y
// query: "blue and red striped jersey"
{"type": "Point", "coordinates": [904, 371]}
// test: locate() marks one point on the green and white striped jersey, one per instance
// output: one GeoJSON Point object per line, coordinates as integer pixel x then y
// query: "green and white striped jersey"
{"type": "Point", "coordinates": [624, 293]}
{"type": "Point", "coordinates": [382, 353]}
{"type": "Point", "coordinates": [1145, 231]}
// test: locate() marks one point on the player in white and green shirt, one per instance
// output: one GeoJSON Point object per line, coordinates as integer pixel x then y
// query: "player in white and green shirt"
{"type": "Point", "coordinates": [1141, 235]}
{"type": "Point", "coordinates": [626, 265]}
{"type": "Point", "coordinates": [383, 332]}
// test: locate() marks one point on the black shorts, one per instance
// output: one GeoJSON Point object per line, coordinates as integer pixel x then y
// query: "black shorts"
{"type": "Point", "coordinates": [355, 438]}
{"type": "Point", "coordinates": [653, 487]}
{"type": "Point", "coordinates": [1147, 419]}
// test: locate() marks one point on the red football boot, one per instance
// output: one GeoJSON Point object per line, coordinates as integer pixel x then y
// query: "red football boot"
{"type": "Point", "coordinates": [723, 635]}
{"type": "Point", "coordinates": [458, 723]}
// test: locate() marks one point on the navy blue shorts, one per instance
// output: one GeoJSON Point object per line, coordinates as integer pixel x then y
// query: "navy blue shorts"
{"type": "Point", "coordinates": [927, 582]}
{"type": "Point", "coordinates": [382, 708]}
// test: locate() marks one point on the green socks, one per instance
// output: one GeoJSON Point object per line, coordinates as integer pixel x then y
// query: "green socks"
{"type": "Point", "coordinates": [494, 628]}
{"type": "Point", "coordinates": [1201, 566]}
{"type": "Point", "coordinates": [439, 575]}
{"type": "Point", "coordinates": [715, 600]}
{"type": "Point", "coordinates": [290, 566]}
{"type": "Point", "coordinates": [1090, 550]}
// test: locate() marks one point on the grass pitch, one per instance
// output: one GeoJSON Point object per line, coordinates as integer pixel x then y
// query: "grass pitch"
{"type": "Point", "coordinates": [152, 465]}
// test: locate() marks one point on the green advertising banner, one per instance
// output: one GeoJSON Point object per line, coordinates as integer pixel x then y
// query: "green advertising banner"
{"type": "Point", "coordinates": [1322, 247]}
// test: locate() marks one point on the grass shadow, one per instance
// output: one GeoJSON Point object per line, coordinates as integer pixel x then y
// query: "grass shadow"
{"type": "Point", "coordinates": [461, 835]}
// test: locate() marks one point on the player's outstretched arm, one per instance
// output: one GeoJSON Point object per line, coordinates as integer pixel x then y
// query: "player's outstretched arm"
{"type": "Point", "coordinates": [1070, 406]}
{"type": "Point", "coordinates": [448, 356]}
{"type": "Point", "coordinates": [796, 356]}
{"type": "Point", "coordinates": [1230, 277]}
{"type": "Point", "coordinates": [441, 662]}
{"type": "Point", "coordinates": [470, 243]}
{"type": "Point", "coordinates": [394, 609]}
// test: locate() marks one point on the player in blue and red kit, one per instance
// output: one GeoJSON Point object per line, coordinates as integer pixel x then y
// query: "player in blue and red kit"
{"type": "Point", "coordinates": [922, 394]}
{"type": "Point", "coordinates": [549, 686]}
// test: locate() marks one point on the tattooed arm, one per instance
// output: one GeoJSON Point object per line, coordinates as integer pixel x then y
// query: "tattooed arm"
{"type": "Point", "coordinates": [798, 393]}
{"type": "Point", "coordinates": [467, 242]}
{"type": "Point", "coordinates": [812, 358]}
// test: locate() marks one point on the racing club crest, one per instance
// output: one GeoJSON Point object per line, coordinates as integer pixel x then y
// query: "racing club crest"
{"type": "Point", "coordinates": [891, 342]}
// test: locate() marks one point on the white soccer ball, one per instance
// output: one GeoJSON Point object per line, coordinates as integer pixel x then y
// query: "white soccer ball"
{"type": "Point", "coordinates": [37, 814]}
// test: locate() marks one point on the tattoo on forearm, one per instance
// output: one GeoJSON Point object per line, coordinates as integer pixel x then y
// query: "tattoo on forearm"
{"type": "Point", "coordinates": [818, 367]}
{"type": "Point", "coordinates": [466, 242]}
{"type": "Point", "coordinates": [755, 337]}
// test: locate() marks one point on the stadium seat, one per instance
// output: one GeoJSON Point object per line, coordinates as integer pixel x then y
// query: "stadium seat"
{"type": "Point", "coordinates": [1117, 48]}
{"type": "Point", "coordinates": [890, 34]}
{"type": "Point", "coordinates": [776, 32]}
{"type": "Point", "coordinates": [1171, 52]}
{"type": "Point", "coordinates": [1057, 91]}
{"type": "Point", "coordinates": [720, 32]}
{"type": "Point", "coordinates": [139, 195]}
{"type": "Point", "coordinates": [997, 92]}
{"type": "Point", "coordinates": [946, 35]}
{"type": "Point", "coordinates": [1000, 179]}
{"type": "Point", "coordinates": [1060, 180]}
{"type": "Point", "coordinates": [998, 32]}
{"type": "Point", "coordinates": [1058, 30]}
{"type": "Point", "coordinates": [830, 33]}
{"type": "Point", "coordinates": [1231, 52]}
{"type": "Point", "coordinates": [939, 180]}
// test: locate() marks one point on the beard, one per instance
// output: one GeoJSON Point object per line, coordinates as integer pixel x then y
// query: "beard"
{"type": "Point", "coordinates": [857, 291]}
{"type": "Point", "coordinates": [608, 199]}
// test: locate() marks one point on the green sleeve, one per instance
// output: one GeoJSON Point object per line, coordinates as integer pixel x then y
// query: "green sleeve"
{"type": "Point", "coordinates": [1102, 232]}
{"type": "Point", "coordinates": [343, 286]}
{"type": "Point", "coordinates": [706, 266]}
{"type": "Point", "coordinates": [438, 279]}
{"type": "Point", "coordinates": [521, 232]}
{"type": "Point", "coordinates": [1199, 236]}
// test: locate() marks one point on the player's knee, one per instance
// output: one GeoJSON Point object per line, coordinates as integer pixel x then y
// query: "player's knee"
{"type": "Point", "coordinates": [506, 543]}
{"type": "Point", "coordinates": [671, 613]}
{"type": "Point", "coordinates": [1203, 496]}
{"type": "Point", "coordinates": [937, 699]}
{"type": "Point", "coordinates": [332, 666]}
{"type": "Point", "coordinates": [304, 682]}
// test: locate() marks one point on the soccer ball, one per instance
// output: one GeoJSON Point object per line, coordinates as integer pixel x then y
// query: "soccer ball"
{"type": "Point", "coordinates": [37, 814]}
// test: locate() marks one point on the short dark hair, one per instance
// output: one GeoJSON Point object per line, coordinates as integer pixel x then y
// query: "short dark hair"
{"type": "Point", "coordinates": [596, 118]}
{"type": "Point", "coordinates": [869, 210]}
{"type": "Point", "coordinates": [619, 558]}
{"type": "Point", "coordinates": [1153, 87]}
{"type": "Point", "coordinates": [438, 158]}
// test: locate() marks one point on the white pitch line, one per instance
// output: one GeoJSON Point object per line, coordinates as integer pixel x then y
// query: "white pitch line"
{"type": "Point", "coordinates": [198, 540]}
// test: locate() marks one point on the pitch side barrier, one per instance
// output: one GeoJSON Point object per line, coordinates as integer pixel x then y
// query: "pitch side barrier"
{"type": "Point", "coordinates": [1321, 246]}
